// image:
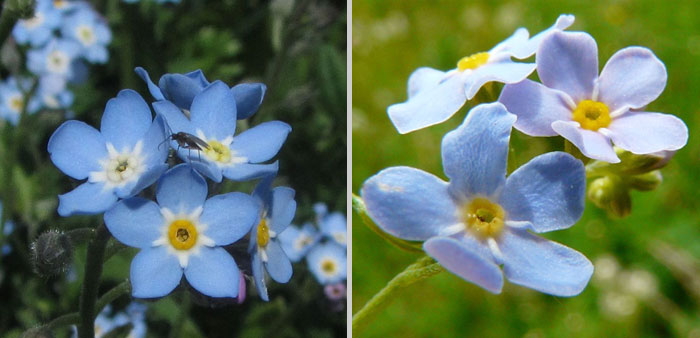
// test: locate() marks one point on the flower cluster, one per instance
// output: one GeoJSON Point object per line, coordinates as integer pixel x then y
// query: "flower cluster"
{"type": "Point", "coordinates": [59, 36]}
{"type": "Point", "coordinates": [481, 218]}
{"type": "Point", "coordinates": [185, 231]}
{"type": "Point", "coordinates": [109, 321]}
{"type": "Point", "coordinates": [324, 248]}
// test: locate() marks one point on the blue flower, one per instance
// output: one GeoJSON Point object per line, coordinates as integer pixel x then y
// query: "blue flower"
{"type": "Point", "coordinates": [53, 93]}
{"type": "Point", "coordinates": [55, 58]}
{"type": "Point", "coordinates": [90, 30]}
{"type": "Point", "coordinates": [13, 99]}
{"type": "Point", "coordinates": [38, 30]}
{"type": "Point", "coordinates": [591, 110]}
{"type": "Point", "coordinates": [480, 219]}
{"type": "Point", "coordinates": [434, 96]}
{"type": "Point", "coordinates": [7, 229]}
{"type": "Point", "coordinates": [183, 234]}
{"type": "Point", "coordinates": [296, 242]}
{"type": "Point", "coordinates": [328, 263]}
{"type": "Point", "coordinates": [180, 89]}
{"type": "Point", "coordinates": [277, 209]}
{"type": "Point", "coordinates": [106, 321]}
{"type": "Point", "coordinates": [335, 227]}
{"type": "Point", "coordinates": [212, 118]}
{"type": "Point", "coordinates": [119, 161]}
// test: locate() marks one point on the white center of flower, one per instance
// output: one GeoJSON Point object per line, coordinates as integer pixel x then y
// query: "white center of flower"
{"type": "Point", "coordinates": [220, 152]}
{"type": "Point", "coordinates": [329, 266]}
{"type": "Point", "coordinates": [120, 168]}
{"type": "Point", "coordinates": [339, 237]}
{"type": "Point", "coordinates": [57, 62]}
{"type": "Point", "coordinates": [302, 242]}
{"type": "Point", "coordinates": [34, 22]}
{"type": "Point", "coordinates": [183, 234]}
{"type": "Point", "coordinates": [85, 34]}
{"type": "Point", "coordinates": [15, 103]}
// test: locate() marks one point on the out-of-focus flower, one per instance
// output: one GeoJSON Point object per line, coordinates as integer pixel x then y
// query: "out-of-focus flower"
{"type": "Point", "coordinates": [13, 93]}
{"type": "Point", "coordinates": [434, 96]}
{"type": "Point", "coordinates": [296, 242]}
{"type": "Point", "coordinates": [38, 30]}
{"type": "Point", "coordinates": [480, 220]}
{"type": "Point", "coordinates": [7, 229]}
{"type": "Point", "coordinates": [591, 110]}
{"type": "Point", "coordinates": [119, 161]}
{"type": "Point", "coordinates": [53, 93]}
{"type": "Point", "coordinates": [90, 30]}
{"type": "Point", "coordinates": [183, 234]}
{"type": "Point", "coordinates": [335, 291]}
{"type": "Point", "coordinates": [212, 119]}
{"type": "Point", "coordinates": [335, 227]}
{"type": "Point", "coordinates": [328, 263]}
{"type": "Point", "coordinates": [277, 209]}
{"type": "Point", "coordinates": [54, 59]}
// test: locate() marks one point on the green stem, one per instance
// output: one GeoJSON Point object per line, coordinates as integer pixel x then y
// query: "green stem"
{"type": "Point", "coordinates": [74, 318]}
{"type": "Point", "coordinates": [423, 268]}
{"type": "Point", "coordinates": [93, 271]}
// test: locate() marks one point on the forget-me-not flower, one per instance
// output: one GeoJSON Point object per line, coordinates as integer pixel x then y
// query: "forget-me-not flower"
{"type": "Point", "coordinates": [121, 159]}
{"type": "Point", "coordinates": [277, 209]}
{"type": "Point", "coordinates": [183, 234]}
{"type": "Point", "coordinates": [53, 93]}
{"type": "Point", "coordinates": [434, 96]}
{"type": "Point", "coordinates": [335, 227]}
{"type": "Point", "coordinates": [13, 99]}
{"type": "Point", "coordinates": [180, 89]}
{"type": "Point", "coordinates": [39, 29]}
{"type": "Point", "coordinates": [328, 263]}
{"type": "Point", "coordinates": [55, 58]}
{"type": "Point", "coordinates": [479, 219]}
{"type": "Point", "coordinates": [85, 26]}
{"type": "Point", "coordinates": [213, 120]}
{"type": "Point", "coordinates": [7, 229]}
{"type": "Point", "coordinates": [297, 242]}
{"type": "Point", "coordinates": [591, 110]}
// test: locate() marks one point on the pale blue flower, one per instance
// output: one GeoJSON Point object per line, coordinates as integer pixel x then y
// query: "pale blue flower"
{"type": "Point", "coordinates": [53, 93]}
{"type": "Point", "coordinates": [90, 30]}
{"type": "Point", "coordinates": [13, 99]}
{"type": "Point", "coordinates": [591, 110]}
{"type": "Point", "coordinates": [277, 209]}
{"type": "Point", "coordinates": [56, 58]}
{"type": "Point", "coordinates": [38, 30]}
{"type": "Point", "coordinates": [212, 118]}
{"type": "Point", "coordinates": [434, 96]}
{"type": "Point", "coordinates": [296, 242]}
{"type": "Point", "coordinates": [479, 219]}
{"type": "Point", "coordinates": [328, 263]}
{"type": "Point", "coordinates": [334, 226]}
{"type": "Point", "coordinates": [183, 234]}
{"type": "Point", "coordinates": [121, 159]}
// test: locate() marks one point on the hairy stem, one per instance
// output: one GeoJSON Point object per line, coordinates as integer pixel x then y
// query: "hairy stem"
{"type": "Point", "coordinates": [423, 268]}
{"type": "Point", "coordinates": [74, 318]}
{"type": "Point", "coordinates": [93, 271]}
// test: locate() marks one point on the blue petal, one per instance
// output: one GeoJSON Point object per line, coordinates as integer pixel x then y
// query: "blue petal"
{"type": "Point", "coordinates": [259, 276]}
{"type": "Point", "coordinates": [213, 272]}
{"type": "Point", "coordinates": [283, 208]}
{"type": "Point", "coordinates": [645, 133]}
{"type": "Point", "coordinates": [591, 143]}
{"type": "Point", "coordinates": [549, 192]}
{"type": "Point", "coordinates": [154, 273]}
{"type": "Point", "coordinates": [135, 222]}
{"type": "Point", "coordinates": [181, 189]}
{"type": "Point", "coordinates": [76, 148]}
{"type": "Point", "coordinates": [632, 78]}
{"type": "Point", "coordinates": [176, 119]}
{"type": "Point", "coordinates": [247, 171]}
{"type": "Point", "coordinates": [422, 79]}
{"type": "Point", "coordinates": [335, 226]}
{"type": "Point", "coordinates": [206, 168]}
{"type": "Point", "coordinates": [180, 89]}
{"type": "Point", "coordinates": [278, 265]}
{"type": "Point", "coordinates": [430, 106]}
{"type": "Point", "coordinates": [155, 91]}
{"type": "Point", "coordinates": [409, 203]}
{"type": "Point", "coordinates": [146, 180]}
{"type": "Point", "coordinates": [474, 155]}
{"type": "Point", "coordinates": [332, 252]}
{"type": "Point", "coordinates": [530, 47]}
{"type": "Point", "coordinates": [288, 239]}
{"type": "Point", "coordinates": [229, 217]}
{"type": "Point", "coordinates": [568, 62]}
{"type": "Point", "coordinates": [154, 148]}
{"type": "Point", "coordinates": [214, 111]}
{"type": "Point", "coordinates": [543, 265]}
{"type": "Point", "coordinates": [505, 71]}
{"type": "Point", "coordinates": [87, 198]}
{"type": "Point", "coordinates": [126, 119]}
{"type": "Point", "coordinates": [248, 97]}
{"type": "Point", "coordinates": [261, 142]}
{"type": "Point", "coordinates": [536, 106]}
{"type": "Point", "coordinates": [466, 261]}
{"type": "Point", "coordinates": [263, 192]}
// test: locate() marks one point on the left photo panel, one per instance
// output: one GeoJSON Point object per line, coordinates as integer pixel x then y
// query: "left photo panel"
{"type": "Point", "coordinates": [173, 168]}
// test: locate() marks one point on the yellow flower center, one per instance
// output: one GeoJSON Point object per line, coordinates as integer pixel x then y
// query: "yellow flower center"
{"type": "Point", "coordinates": [263, 233]}
{"type": "Point", "coordinates": [484, 217]}
{"type": "Point", "coordinates": [182, 234]}
{"type": "Point", "coordinates": [473, 61]}
{"type": "Point", "coordinates": [17, 103]}
{"type": "Point", "coordinates": [592, 115]}
{"type": "Point", "coordinates": [328, 266]}
{"type": "Point", "coordinates": [218, 152]}
{"type": "Point", "coordinates": [60, 3]}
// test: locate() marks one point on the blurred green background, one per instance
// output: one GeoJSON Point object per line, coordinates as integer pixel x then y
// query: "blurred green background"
{"type": "Point", "coordinates": [647, 279]}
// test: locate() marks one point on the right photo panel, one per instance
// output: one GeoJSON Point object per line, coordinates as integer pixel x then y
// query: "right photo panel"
{"type": "Point", "coordinates": [524, 169]}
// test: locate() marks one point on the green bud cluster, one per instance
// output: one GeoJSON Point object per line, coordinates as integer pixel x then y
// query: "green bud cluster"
{"type": "Point", "coordinates": [52, 253]}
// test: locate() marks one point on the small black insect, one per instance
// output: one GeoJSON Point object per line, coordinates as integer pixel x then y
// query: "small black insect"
{"type": "Point", "coordinates": [187, 141]}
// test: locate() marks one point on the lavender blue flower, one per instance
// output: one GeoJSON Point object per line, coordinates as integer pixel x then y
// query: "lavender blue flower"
{"type": "Point", "coordinates": [296, 242]}
{"type": "Point", "coordinates": [38, 30]}
{"type": "Point", "coordinates": [119, 161]}
{"type": "Point", "coordinates": [212, 119]}
{"type": "Point", "coordinates": [277, 209]}
{"type": "Point", "coordinates": [55, 58]}
{"type": "Point", "coordinates": [53, 93]}
{"type": "Point", "coordinates": [328, 263]}
{"type": "Point", "coordinates": [479, 219]}
{"type": "Point", "coordinates": [13, 99]}
{"type": "Point", "coordinates": [180, 89]}
{"type": "Point", "coordinates": [183, 234]}
{"type": "Point", "coordinates": [591, 110]}
{"type": "Point", "coordinates": [434, 96]}
{"type": "Point", "coordinates": [335, 227]}
{"type": "Point", "coordinates": [86, 27]}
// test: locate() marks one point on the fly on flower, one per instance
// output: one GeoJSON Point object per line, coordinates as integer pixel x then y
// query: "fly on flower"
{"type": "Point", "coordinates": [187, 141]}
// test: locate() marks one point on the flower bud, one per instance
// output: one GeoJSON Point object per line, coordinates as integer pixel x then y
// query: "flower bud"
{"type": "Point", "coordinates": [610, 193]}
{"type": "Point", "coordinates": [633, 164]}
{"type": "Point", "coordinates": [645, 182]}
{"type": "Point", "coordinates": [52, 253]}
